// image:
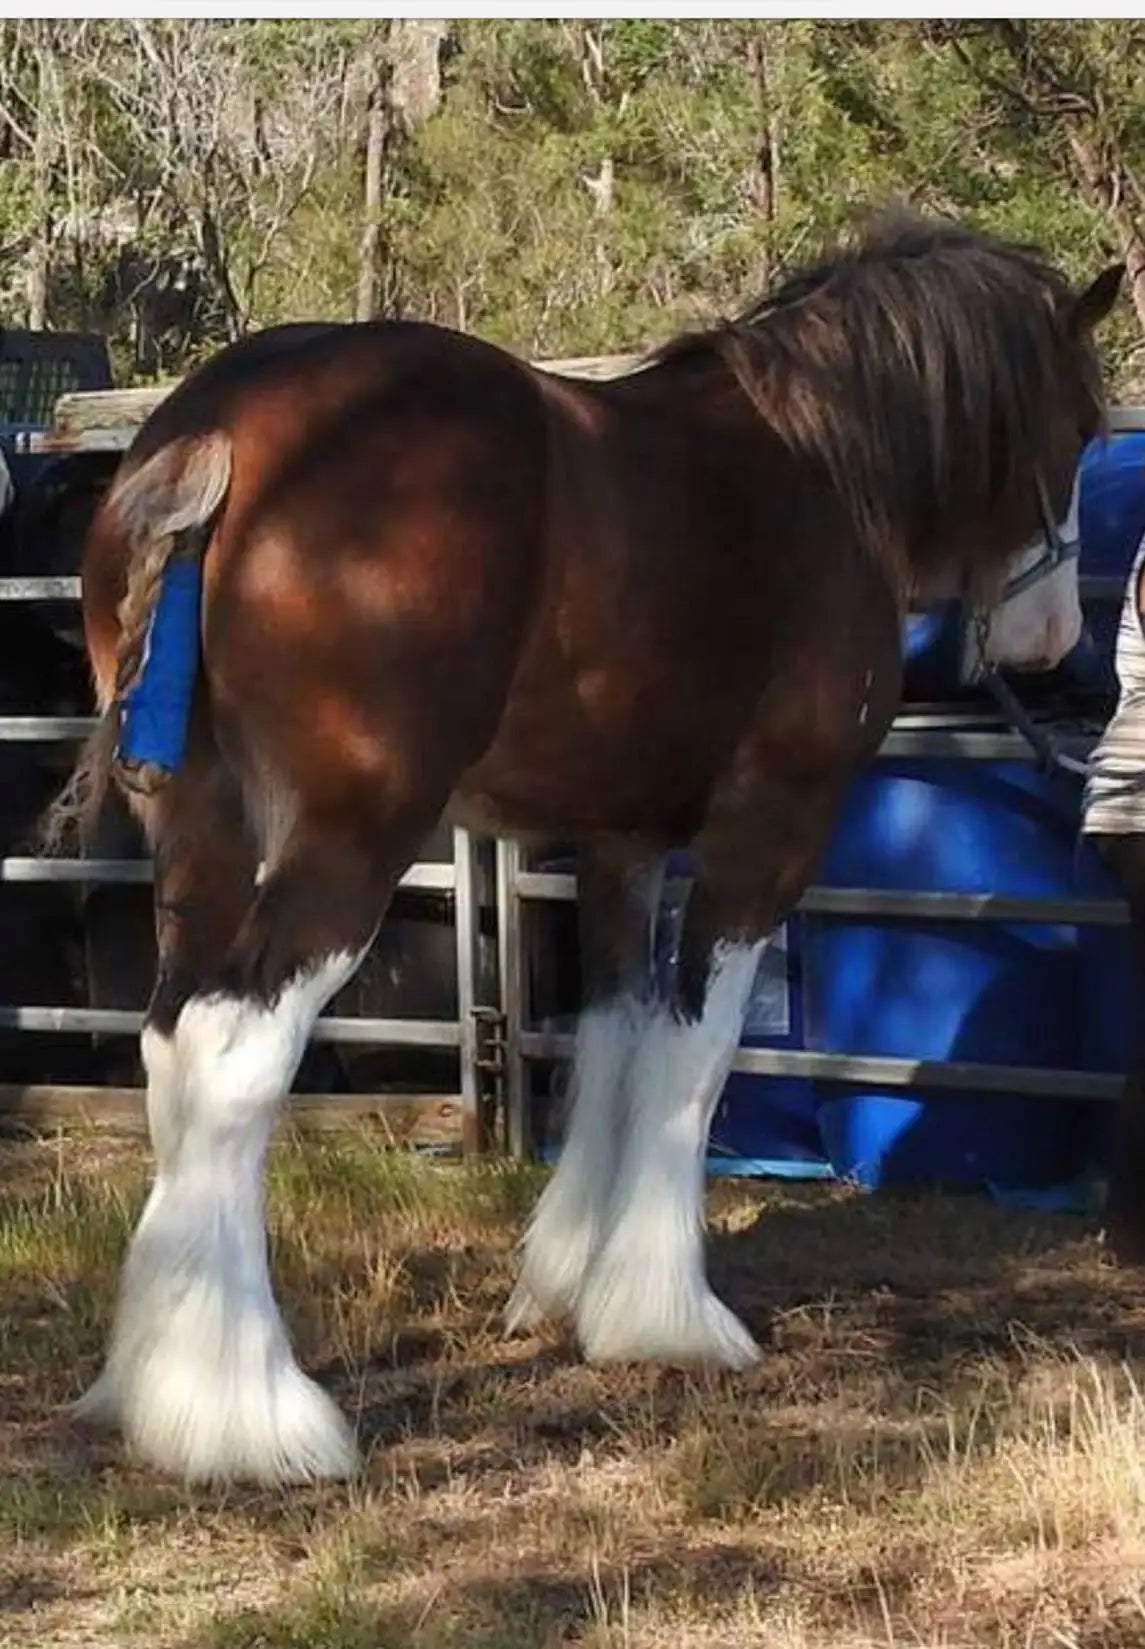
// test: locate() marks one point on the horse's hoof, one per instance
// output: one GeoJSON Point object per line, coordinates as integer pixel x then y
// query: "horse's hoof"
{"type": "Point", "coordinates": [282, 1431]}
{"type": "Point", "coordinates": [633, 1313]}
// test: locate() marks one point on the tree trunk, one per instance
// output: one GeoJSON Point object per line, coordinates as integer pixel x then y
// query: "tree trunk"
{"type": "Point", "coordinates": [40, 250]}
{"type": "Point", "coordinates": [1106, 188]}
{"type": "Point", "coordinates": [415, 53]}
{"type": "Point", "coordinates": [216, 263]}
{"type": "Point", "coordinates": [1045, 89]}
{"type": "Point", "coordinates": [765, 174]}
{"type": "Point", "coordinates": [602, 186]}
{"type": "Point", "coordinates": [377, 122]}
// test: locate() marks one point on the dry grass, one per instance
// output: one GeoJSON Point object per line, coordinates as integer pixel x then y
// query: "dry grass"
{"type": "Point", "coordinates": [944, 1445]}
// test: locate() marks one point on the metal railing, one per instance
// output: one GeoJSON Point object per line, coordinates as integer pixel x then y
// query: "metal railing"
{"type": "Point", "coordinates": [517, 1043]}
{"type": "Point", "coordinates": [519, 886]}
{"type": "Point", "coordinates": [913, 734]}
{"type": "Point", "coordinates": [962, 735]}
{"type": "Point", "coordinates": [460, 879]}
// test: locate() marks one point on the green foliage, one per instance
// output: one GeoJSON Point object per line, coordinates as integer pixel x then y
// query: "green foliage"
{"type": "Point", "coordinates": [582, 186]}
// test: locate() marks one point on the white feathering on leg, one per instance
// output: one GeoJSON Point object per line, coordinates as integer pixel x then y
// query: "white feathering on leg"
{"type": "Point", "coordinates": [205, 1381]}
{"type": "Point", "coordinates": [646, 1295]}
{"type": "Point", "coordinates": [102, 1404]}
{"type": "Point", "coordinates": [565, 1226]}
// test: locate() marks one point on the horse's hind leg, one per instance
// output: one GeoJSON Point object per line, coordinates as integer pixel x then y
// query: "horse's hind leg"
{"type": "Point", "coordinates": [619, 891]}
{"type": "Point", "coordinates": [212, 1388]}
{"type": "Point", "coordinates": [205, 863]}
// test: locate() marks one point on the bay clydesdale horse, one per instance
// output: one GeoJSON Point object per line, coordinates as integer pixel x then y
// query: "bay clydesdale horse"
{"type": "Point", "coordinates": [658, 612]}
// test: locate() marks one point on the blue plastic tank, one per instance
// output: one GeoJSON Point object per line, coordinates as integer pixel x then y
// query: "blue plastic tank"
{"type": "Point", "coordinates": [1111, 516]}
{"type": "Point", "coordinates": [949, 990]}
{"type": "Point", "coordinates": [932, 642]}
{"type": "Point", "coordinates": [1111, 510]}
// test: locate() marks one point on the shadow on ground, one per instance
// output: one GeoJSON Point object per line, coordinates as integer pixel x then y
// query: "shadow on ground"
{"type": "Point", "coordinates": [874, 1314]}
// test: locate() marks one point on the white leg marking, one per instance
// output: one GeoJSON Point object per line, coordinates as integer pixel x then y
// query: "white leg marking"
{"type": "Point", "coordinates": [566, 1222]}
{"type": "Point", "coordinates": [102, 1404]}
{"type": "Point", "coordinates": [164, 1095]}
{"type": "Point", "coordinates": [646, 1295]}
{"type": "Point", "coordinates": [205, 1382]}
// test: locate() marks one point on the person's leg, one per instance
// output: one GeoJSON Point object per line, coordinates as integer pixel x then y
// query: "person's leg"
{"type": "Point", "coordinates": [1124, 857]}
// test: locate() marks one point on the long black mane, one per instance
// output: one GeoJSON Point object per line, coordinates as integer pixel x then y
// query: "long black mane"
{"type": "Point", "coordinates": [917, 364]}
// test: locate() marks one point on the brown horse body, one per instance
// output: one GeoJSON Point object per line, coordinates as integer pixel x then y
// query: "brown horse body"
{"type": "Point", "coordinates": [659, 612]}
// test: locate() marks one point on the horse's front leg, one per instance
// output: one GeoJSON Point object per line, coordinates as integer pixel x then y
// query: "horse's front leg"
{"type": "Point", "coordinates": [207, 1383]}
{"type": "Point", "coordinates": [647, 1295]}
{"type": "Point", "coordinates": [619, 892]}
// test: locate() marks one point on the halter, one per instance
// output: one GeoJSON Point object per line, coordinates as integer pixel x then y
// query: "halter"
{"type": "Point", "coordinates": [1058, 550]}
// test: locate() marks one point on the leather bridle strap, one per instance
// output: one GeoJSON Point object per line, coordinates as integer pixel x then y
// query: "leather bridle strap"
{"type": "Point", "coordinates": [1058, 550]}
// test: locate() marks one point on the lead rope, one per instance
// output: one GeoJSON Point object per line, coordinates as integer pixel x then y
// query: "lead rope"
{"type": "Point", "coordinates": [1040, 740]}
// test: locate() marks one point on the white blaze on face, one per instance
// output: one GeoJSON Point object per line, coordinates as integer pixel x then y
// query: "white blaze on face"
{"type": "Point", "coordinates": [1037, 627]}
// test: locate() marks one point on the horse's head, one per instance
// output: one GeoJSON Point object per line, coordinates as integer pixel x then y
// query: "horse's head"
{"type": "Point", "coordinates": [947, 382]}
{"type": "Point", "coordinates": [1029, 614]}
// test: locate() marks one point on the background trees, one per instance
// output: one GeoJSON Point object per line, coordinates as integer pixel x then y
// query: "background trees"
{"type": "Point", "coordinates": [560, 186]}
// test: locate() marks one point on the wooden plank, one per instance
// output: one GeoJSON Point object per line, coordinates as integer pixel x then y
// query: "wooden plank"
{"type": "Point", "coordinates": [403, 1119]}
{"type": "Point", "coordinates": [591, 366]}
{"type": "Point", "coordinates": [93, 409]}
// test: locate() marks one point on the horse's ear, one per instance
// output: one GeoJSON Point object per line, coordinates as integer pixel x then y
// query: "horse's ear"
{"type": "Point", "coordinates": [1094, 304]}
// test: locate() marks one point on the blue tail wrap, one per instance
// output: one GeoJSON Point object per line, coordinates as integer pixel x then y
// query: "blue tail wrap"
{"type": "Point", "coordinates": [157, 708]}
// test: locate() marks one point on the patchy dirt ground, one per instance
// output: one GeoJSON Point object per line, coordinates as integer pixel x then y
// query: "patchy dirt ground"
{"type": "Point", "coordinates": [943, 1445]}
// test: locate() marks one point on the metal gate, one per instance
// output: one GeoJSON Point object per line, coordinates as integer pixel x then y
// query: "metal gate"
{"type": "Point", "coordinates": [449, 1119]}
{"type": "Point", "coordinates": [494, 1034]}
{"type": "Point", "coordinates": [104, 422]}
{"type": "Point", "coordinates": [520, 887]}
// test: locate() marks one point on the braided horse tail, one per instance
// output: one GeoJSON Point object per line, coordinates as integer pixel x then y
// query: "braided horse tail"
{"type": "Point", "coordinates": [159, 508]}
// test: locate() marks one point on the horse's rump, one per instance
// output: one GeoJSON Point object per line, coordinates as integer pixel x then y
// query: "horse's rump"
{"type": "Point", "coordinates": [380, 542]}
